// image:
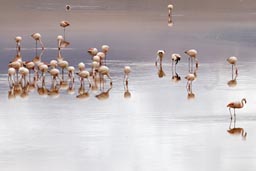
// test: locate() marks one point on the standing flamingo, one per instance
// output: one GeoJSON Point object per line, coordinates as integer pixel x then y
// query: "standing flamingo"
{"type": "Point", "coordinates": [192, 53]}
{"type": "Point", "coordinates": [232, 60]}
{"type": "Point", "coordinates": [190, 78]}
{"type": "Point", "coordinates": [37, 37]}
{"type": "Point", "coordinates": [236, 105]}
{"type": "Point", "coordinates": [175, 58]}
{"type": "Point", "coordinates": [127, 71]}
{"type": "Point", "coordinates": [84, 75]}
{"type": "Point", "coordinates": [105, 49]}
{"type": "Point", "coordinates": [18, 42]}
{"type": "Point", "coordinates": [11, 73]}
{"type": "Point", "coordinates": [160, 55]}
{"type": "Point", "coordinates": [104, 71]}
{"type": "Point", "coordinates": [64, 24]}
{"type": "Point", "coordinates": [92, 51]}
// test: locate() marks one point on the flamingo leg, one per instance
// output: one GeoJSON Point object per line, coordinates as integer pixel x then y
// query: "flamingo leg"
{"type": "Point", "coordinates": [110, 79]}
{"type": "Point", "coordinates": [234, 115]}
{"type": "Point", "coordinates": [230, 114]}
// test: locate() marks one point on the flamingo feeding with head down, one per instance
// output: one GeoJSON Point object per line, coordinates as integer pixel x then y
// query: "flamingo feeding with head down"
{"type": "Point", "coordinates": [236, 105]}
{"type": "Point", "coordinates": [232, 60]}
{"type": "Point", "coordinates": [175, 59]}
{"type": "Point", "coordinates": [192, 53]}
{"type": "Point", "coordinates": [160, 55]}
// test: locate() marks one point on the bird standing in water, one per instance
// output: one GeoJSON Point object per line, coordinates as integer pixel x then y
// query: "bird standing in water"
{"type": "Point", "coordinates": [236, 105]}
{"type": "Point", "coordinates": [64, 24]}
{"type": "Point", "coordinates": [37, 37]}
{"type": "Point", "coordinates": [232, 60]}
{"type": "Point", "coordinates": [192, 53]}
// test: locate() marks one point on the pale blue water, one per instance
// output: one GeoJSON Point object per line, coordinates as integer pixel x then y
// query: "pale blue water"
{"type": "Point", "coordinates": [158, 128]}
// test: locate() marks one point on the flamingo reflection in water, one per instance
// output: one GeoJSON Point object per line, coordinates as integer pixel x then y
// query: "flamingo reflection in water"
{"type": "Point", "coordinates": [104, 94]}
{"type": "Point", "coordinates": [236, 130]}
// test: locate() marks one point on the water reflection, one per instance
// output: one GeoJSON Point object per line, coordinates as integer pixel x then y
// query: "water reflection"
{"type": "Point", "coordinates": [104, 94]}
{"type": "Point", "coordinates": [236, 130]}
{"type": "Point", "coordinates": [82, 92]}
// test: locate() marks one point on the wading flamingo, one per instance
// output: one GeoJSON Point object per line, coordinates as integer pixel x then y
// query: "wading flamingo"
{"type": "Point", "coordinates": [175, 59]}
{"type": "Point", "coordinates": [232, 60]}
{"type": "Point", "coordinates": [236, 105]}
{"type": "Point", "coordinates": [18, 42]}
{"type": "Point", "coordinates": [37, 37]}
{"type": "Point", "coordinates": [127, 71]}
{"type": "Point", "coordinates": [104, 71]}
{"type": "Point", "coordinates": [64, 24]}
{"type": "Point", "coordinates": [192, 53]}
{"type": "Point", "coordinates": [160, 55]}
{"type": "Point", "coordinates": [105, 49]}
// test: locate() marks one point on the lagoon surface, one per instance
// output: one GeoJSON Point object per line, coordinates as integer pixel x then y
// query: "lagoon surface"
{"type": "Point", "coordinates": [158, 128]}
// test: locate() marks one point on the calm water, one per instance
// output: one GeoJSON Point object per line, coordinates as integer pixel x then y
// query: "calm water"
{"type": "Point", "coordinates": [157, 128]}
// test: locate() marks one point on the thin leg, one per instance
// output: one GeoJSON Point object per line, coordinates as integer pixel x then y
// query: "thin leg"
{"type": "Point", "coordinates": [230, 114]}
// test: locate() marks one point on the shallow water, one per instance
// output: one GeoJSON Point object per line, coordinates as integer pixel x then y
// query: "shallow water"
{"type": "Point", "coordinates": [158, 127]}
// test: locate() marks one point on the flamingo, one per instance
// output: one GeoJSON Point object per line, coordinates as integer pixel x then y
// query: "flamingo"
{"type": "Point", "coordinates": [104, 71]}
{"type": "Point", "coordinates": [190, 78]}
{"type": "Point", "coordinates": [127, 71]}
{"type": "Point", "coordinates": [61, 42]}
{"type": "Point", "coordinates": [192, 53]}
{"type": "Point", "coordinates": [63, 65]}
{"type": "Point", "coordinates": [11, 73]}
{"type": "Point", "coordinates": [81, 66]}
{"type": "Point", "coordinates": [18, 42]}
{"type": "Point", "coordinates": [84, 75]}
{"type": "Point", "coordinates": [30, 65]}
{"type": "Point", "coordinates": [102, 56]}
{"type": "Point", "coordinates": [43, 68]}
{"type": "Point", "coordinates": [232, 60]}
{"type": "Point", "coordinates": [175, 58]}
{"type": "Point", "coordinates": [16, 65]}
{"type": "Point", "coordinates": [23, 72]}
{"type": "Point", "coordinates": [64, 24]}
{"type": "Point", "coordinates": [170, 8]}
{"type": "Point", "coordinates": [105, 49]}
{"type": "Point", "coordinates": [92, 51]}
{"type": "Point", "coordinates": [236, 105]}
{"type": "Point", "coordinates": [37, 37]}
{"type": "Point", "coordinates": [160, 55]}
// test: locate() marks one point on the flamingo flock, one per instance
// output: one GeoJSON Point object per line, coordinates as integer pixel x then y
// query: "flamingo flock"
{"type": "Point", "coordinates": [95, 76]}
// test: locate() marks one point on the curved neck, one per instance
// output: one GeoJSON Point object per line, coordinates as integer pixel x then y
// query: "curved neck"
{"type": "Point", "coordinates": [242, 102]}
